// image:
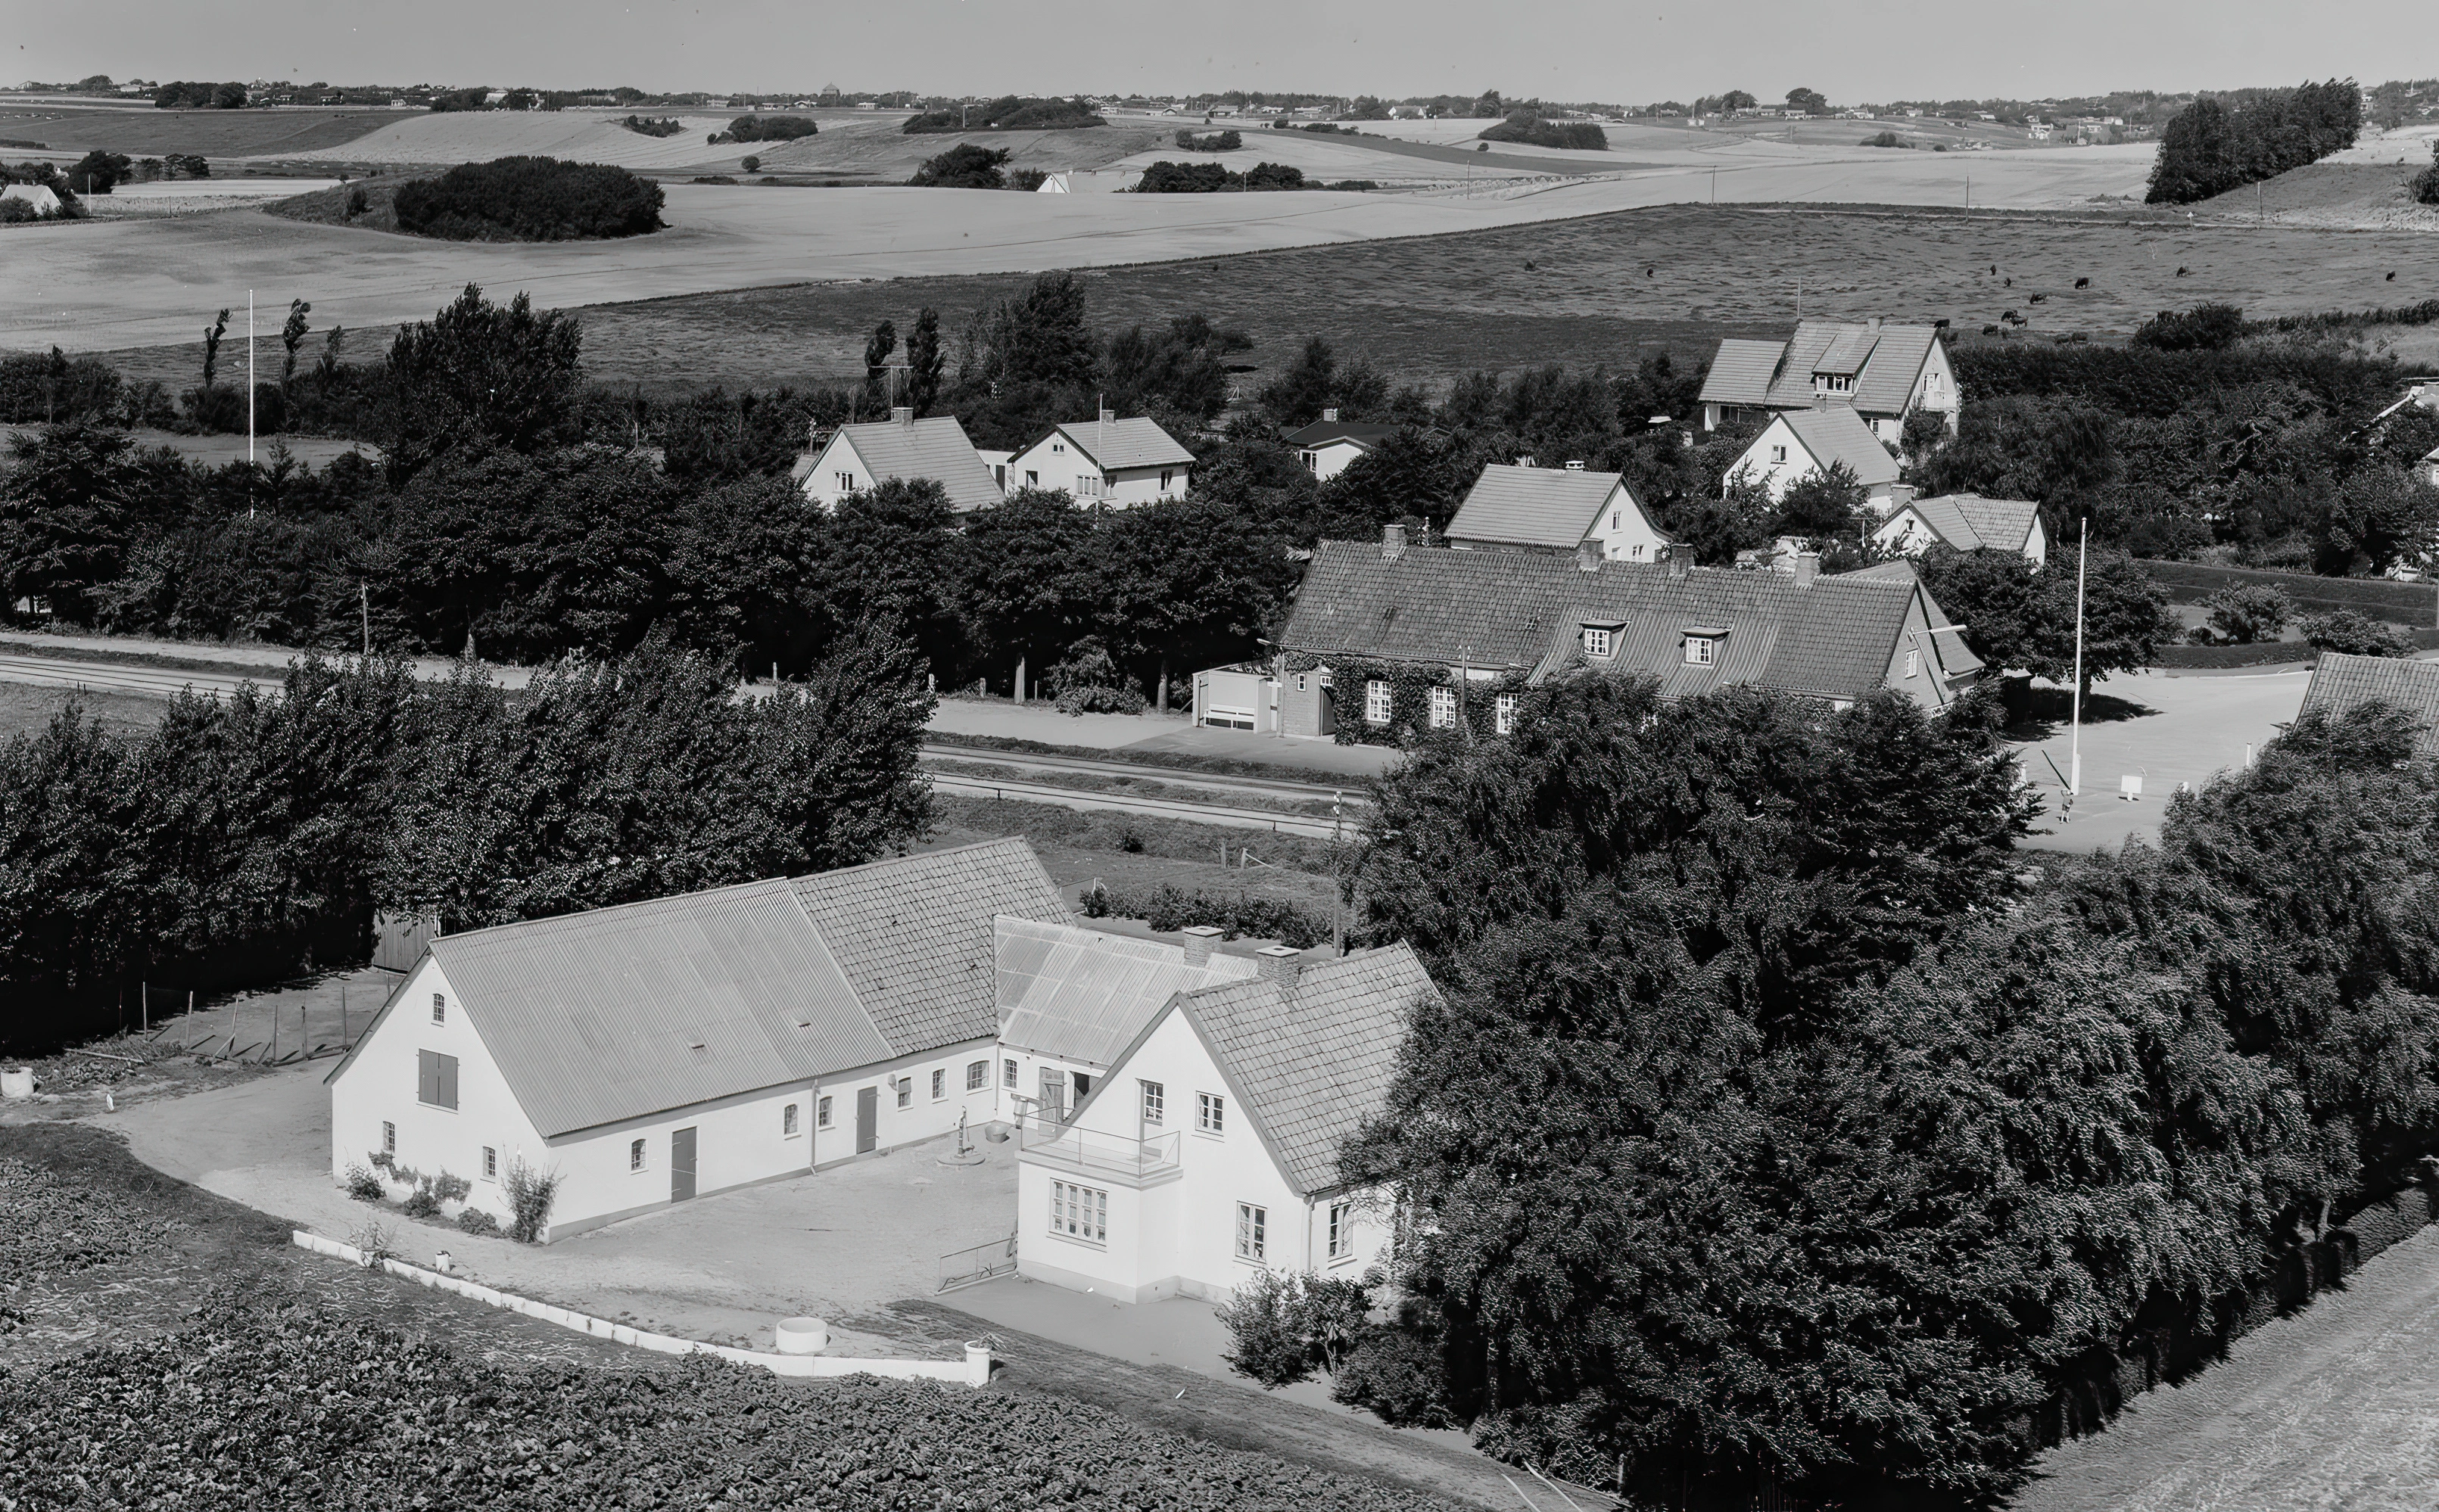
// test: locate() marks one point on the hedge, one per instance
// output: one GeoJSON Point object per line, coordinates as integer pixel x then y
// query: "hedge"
{"type": "Point", "coordinates": [1243, 916]}
{"type": "Point", "coordinates": [2414, 604]}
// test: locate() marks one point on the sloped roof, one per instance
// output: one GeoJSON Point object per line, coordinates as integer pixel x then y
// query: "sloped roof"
{"type": "Point", "coordinates": [2341, 681]}
{"type": "Point", "coordinates": [1136, 442]}
{"type": "Point", "coordinates": [935, 448]}
{"type": "Point", "coordinates": [1512, 609]}
{"type": "Point", "coordinates": [1885, 363]}
{"type": "Point", "coordinates": [1838, 435]}
{"type": "Point", "coordinates": [1969, 522]}
{"type": "Point", "coordinates": [1084, 996]}
{"type": "Point", "coordinates": [1532, 507]}
{"type": "Point", "coordinates": [1941, 517]}
{"type": "Point", "coordinates": [1321, 432]}
{"type": "Point", "coordinates": [1312, 1064]}
{"type": "Point", "coordinates": [1741, 372]}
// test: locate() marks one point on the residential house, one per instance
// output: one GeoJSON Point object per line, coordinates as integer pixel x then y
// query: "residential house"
{"type": "Point", "coordinates": [1328, 444]}
{"type": "Point", "coordinates": [39, 196]}
{"type": "Point", "coordinates": [2340, 682]}
{"type": "Point", "coordinates": [1483, 622]}
{"type": "Point", "coordinates": [1795, 445]}
{"type": "Point", "coordinates": [1120, 463]}
{"type": "Point", "coordinates": [1209, 1152]}
{"type": "Point", "coordinates": [1535, 508]}
{"type": "Point", "coordinates": [856, 457]}
{"type": "Point", "coordinates": [1968, 522]}
{"type": "Point", "coordinates": [655, 1051]}
{"type": "Point", "coordinates": [1883, 372]}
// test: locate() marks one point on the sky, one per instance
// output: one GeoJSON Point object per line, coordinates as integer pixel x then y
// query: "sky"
{"type": "Point", "coordinates": [1626, 53]}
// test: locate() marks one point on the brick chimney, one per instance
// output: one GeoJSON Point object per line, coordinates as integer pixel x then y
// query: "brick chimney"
{"type": "Point", "coordinates": [1681, 560]}
{"type": "Point", "coordinates": [1807, 566]}
{"type": "Point", "coordinates": [903, 414]}
{"type": "Point", "coordinates": [1281, 965]}
{"type": "Point", "coordinates": [1393, 543]}
{"type": "Point", "coordinates": [1588, 555]}
{"type": "Point", "coordinates": [1200, 938]}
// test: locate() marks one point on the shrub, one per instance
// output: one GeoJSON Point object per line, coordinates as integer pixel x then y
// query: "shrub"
{"type": "Point", "coordinates": [476, 1220]}
{"type": "Point", "coordinates": [2245, 612]}
{"type": "Point", "coordinates": [53, 388]}
{"type": "Point", "coordinates": [964, 167]}
{"type": "Point", "coordinates": [2426, 183]}
{"type": "Point", "coordinates": [1396, 1374]}
{"type": "Point", "coordinates": [750, 163]}
{"type": "Point", "coordinates": [375, 1241]}
{"type": "Point", "coordinates": [362, 1185]}
{"type": "Point", "coordinates": [2204, 328]}
{"type": "Point", "coordinates": [1353, 186]}
{"type": "Point", "coordinates": [1883, 139]}
{"type": "Point", "coordinates": [661, 125]}
{"type": "Point", "coordinates": [767, 128]}
{"type": "Point", "coordinates": [1580, 136]}
{"type": "Point", "coordinates": [357, 202]}
{"type": "Point", "coordinates": [1167, 907]}
{"type": "Point", "coordinates": [1088, 683]}
{"type": "Point", "coordinates": [1210, 141]}
{"type": "Point", "coordinates": [421, 1204]}
{"type": "Point", "coordinates": [530, 198]}
{"type": "Point", "coordinates": [1284, 1325]}
{"type": "Point", "coordinates": [2355, 634]}
{"type": "Point", "coordinates": [450, 1188]}
{"type": "Point", "coordinates": [530, 1193]}
{"type": "Point", "coordinates": [1027, 179]}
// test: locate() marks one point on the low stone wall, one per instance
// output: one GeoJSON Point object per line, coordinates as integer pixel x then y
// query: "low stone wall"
{"type": "Point", "coordinates": [974, 1370]}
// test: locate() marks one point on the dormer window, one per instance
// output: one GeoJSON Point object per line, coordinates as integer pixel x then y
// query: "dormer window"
{"type": "Point", "coordinates": [1596, 640]}
{"type": "Point", "coordinates": [1833, 382]}
{"type": "Point", "coordinates": [1703, 644]}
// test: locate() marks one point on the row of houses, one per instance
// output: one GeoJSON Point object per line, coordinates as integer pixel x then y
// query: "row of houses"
{"type": "Point", "coordinates": [1118, 463]}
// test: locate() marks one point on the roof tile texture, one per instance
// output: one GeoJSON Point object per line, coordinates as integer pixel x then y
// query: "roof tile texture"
{"type": "Point", "coordinates": [935, 448]}
{"type": "Point", "coordinates": [2340, 682]}
{"type": "Point", "coordinates": [1532, 507]}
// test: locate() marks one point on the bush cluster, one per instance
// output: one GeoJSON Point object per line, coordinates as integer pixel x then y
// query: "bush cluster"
{"type": "Point", "coordinates": [1165, 177]}
{"type": "Point", "coordinates": [767, 128]}
{"type": "Point", "coordinates": [1009, 113]}
{"type": "Point", "coordinates": [188, 94]}
{"type": "Point", "coordinates": [965, 166]}
{"type": "Point", "coordinates": [530, 198]}
{"type": "Point", "coordinates": [2224, 142]}
{"type": "Point", "coordinates": [1242, 917]}
{"type": "Point", "coordinates": [2355, 634]}
{"type": "Point", "coordinates": [1210, 141]}
{"type": "Point", "coordinates": [1581, 136]}
{"type": "Point", "coordinates": [655, 126]}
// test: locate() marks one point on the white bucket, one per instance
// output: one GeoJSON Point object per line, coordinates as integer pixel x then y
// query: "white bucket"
{"type": "Point", "coordinates": [17, 1084]}
{"type": "Point", "coordinates": [803, 1336]}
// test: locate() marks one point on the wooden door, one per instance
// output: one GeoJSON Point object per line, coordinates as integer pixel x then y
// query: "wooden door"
{"type": "Point", "coordinates": [867, 1119]}
{"type": "Point", "coordinates": [1053, 1095]}
{"type": "Point", "coordinates": [681, 1164]}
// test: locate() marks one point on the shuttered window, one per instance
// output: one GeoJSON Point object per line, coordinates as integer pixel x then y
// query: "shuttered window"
{"type": "Point", "coordinates": [435, 1078]}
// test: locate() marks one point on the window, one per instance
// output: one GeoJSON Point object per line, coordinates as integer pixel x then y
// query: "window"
{"type": "Point", "coordinates": [905, 1092]}
{"type": "Point", "coordinates": [1503, 714]}
{"type": "Point", "coordinates": [1311, 461]}
{"type": "Point", "coordinates": [1777, 454]}
{"type": "Point", "coordinates": [1914, 663]}
{"type": "Point", "coordinates": [788, 1129]}
{"type": "Point", "coordinates": [822, 1113]}
{"type": "Point", "coordinates": [1156, 1103]}
{"type": "Point", "coordinates": [1166, 474]}
{"type": "Point", "coordinates": [1007, 1074]}
{"type": "Point", "coordinates": [1032, 478]}
{"type": "Point", "coordinates": [636, 1155]}
{"type": "Point", "coordinates": [1058, 448]}
{"type": "Point", "coordinates": [439, 1008]}
{"type": "Point", "coordinates": [1701, 651]}
{"type": "Point", "coordinates": [1253, 1226]}
{"type": "Point", "coordinates": [939, 1083]}
{"type": "Point", "coordinates": [1342, 1231]}
{"type": "Point", "coordinates": [1210, 1114]}
{"type": "Point", "coordinates": [436, 1079]}
{"type": "Point", "coordinates": [978, 1076]}
{"type": "Point", "coordinates": [1596, 640]}
{"type": "Point", "coordinates": [846, 482]}
{"type": "Point", "coordinates": [389, 1137]}
{"type": "Point", "coordinates": [1079, 1213]}
{"type": "Point", "coordinates": [1443, 709]}
{"type": "Point", "coordinates": [1300, 681]}
{"type": "Point", "coordinates": [490, 1164]}
{"type": "Point", "coordinates": [1376, 704]}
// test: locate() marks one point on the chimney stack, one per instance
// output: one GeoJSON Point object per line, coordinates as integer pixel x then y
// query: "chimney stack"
{"type": "Point", "coordinates": [903, 414]}
{"type": "Point", "coordinates": [1281, 965]}
{"type": "Point", "coordinates": [1872, 325]}
{"type": "Point", "coordinates": [1200, 938]}
{"type": "Point", "coordinates": [1588, 555]}
{"type": "Point", "coordinates": [1393, 543]}
{"type": "Point", "coordinates": [1573, 466]}
{"type": "Point", "coordinates": [1681, 560]}
{"type": "Point", "coordinates": [1900, 494]}
{"type": "Point", "coordinates": [1807, 566]}
{"type": "Point", "coordinates": [1330, 414]}
{"type": "Point", "coordinates": [1108, 415]}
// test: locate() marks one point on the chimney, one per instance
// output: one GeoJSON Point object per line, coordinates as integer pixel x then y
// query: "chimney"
{"type": "Point", "coordinates": [1108, 415]}
{"type": "Point", "coordinates": [1575, 466]}
{"type": "Point", "coordinates": [1393, 543]}
{"type": "Point", "coordinates": [1330, 414]}
{"type": "Point", "coordinates": [1681, 560]}
{"type": "Point", "coordinates": [1900, 494]}
{"type": "Point", "coordinates": [1588, 555]}
{"type": "Point", "coordinates": [1821, 398]}
{"type": "Point", "coordinates": [903, 414]}
{"type": "Point", "coordinates": [1199, 940]}
{"type": "Point", "coordinates": [1281, 965]}
{"type": "Point", "coordinates": [1872, 325]}
{"type": "Point", "coordinates": [1525, 462]}
{"type": "Point", "coordinates": [1807, 566]}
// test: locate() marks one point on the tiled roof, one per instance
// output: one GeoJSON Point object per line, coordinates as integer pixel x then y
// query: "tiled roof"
{"type": "Point", "coordinates": [2006, 524]}
{"type": "Point", "coordinates": [935, 448]}
{"type": "Point", "coordinates": [1321, 432]}
{"type": "Point", "coordinates": [1778, 375]}
{"type": "Point", "coordinates": [1838, 435]}
{"type": "Point", "coordinates": [1511, 609]}
{"type": "Point", "coordinates": [1138, 442]}
{"type": "Point", "coordinates": [1945, 521]}
{"type": "Point", "coordinates": [1531, 506]}
{"type": "Point", "coordinates": [1312, 1065]}
{"type": "Point", "coordinates": [2341, 681]}
{"type": "Point", "coordinates": [1741, 372]}
{"type": "Point", "coordinates": [1084, 996]}
{"type": "Point", "coordinates": [915, 935]}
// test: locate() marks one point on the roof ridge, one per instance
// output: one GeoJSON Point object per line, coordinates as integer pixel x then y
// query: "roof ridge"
{"type": "Point", "coordinates": [606, 909]}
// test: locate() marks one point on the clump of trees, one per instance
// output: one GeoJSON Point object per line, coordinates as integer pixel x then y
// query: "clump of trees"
{"type": "Point", "coordinates": [2020, 619]}
{"type": "Point", "coordinates": [2425, 185]}
{"type": "Point", "coordinates": [2224, 142]}
{"type": "Point", "coordinates": [529, 199]}
{"type": "Point", "coordinates": [1530, 129]}
{"type": "Point", "coordinates": [1210, 141]}
{"type": "Point", "coordinates": [965, 166]}
{"type": "Point", "coordinates": [189, 94]}
{"type": "Point", "coordinates": [766, 129]}
{"type": "Point", "coordinates": [656, 126]}
{"type": "Point", "coordinates": [1165, 177]}
{"type": "Point", "coordinates": [1009, 113]}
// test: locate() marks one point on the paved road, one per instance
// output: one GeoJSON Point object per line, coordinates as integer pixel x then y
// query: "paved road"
{"type": "Point", "coordinates": [113, 677]}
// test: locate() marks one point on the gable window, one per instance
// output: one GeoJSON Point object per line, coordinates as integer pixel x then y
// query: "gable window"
{"type": "Point", "coordinates": [1376, 704]}
{"type": "Point", "coordinates": [1596, 640]}
{"type": "Point", "coordinates": [1058, 448]}
{"type": "Point", "coordinates": [1443, 709]}
{"type": "Point", "coordinates": [436, 1079]}
{"type": "Point", "coordinates": [939, 1083]}
{"type": "Point", "coordinates": [822, 1113]}
{"type": "Point", "coordinates": [1007, 1075]}
{"type": "Point", "coordinates": [1503, 714]}
{"type": "Point", "coordinates": [846, 482]}
{"type": "Point", "coordinates": [439, 1008]}
{"type": "Point", "coordinates": [389, 1137]}
{"type": "Point", "coordinates": [1253, 1231]}
{"type": "Point", "coordinates": [977, 1075]}
{"type": "Point", "coordinates": [1613, 517]}
{"type": "Point", "coordinates": [1081, 1212]}
{"type": "Point", "coordinates": [636, 1155]}
{"type": "Point", "coordinates": [1777, 455]}
{"type": "Point", "coordinates": [1210, 1114]}
{"type": "Point", "coordinates": [1300, 681]}
{"type": "Point", "coordinates": [1156, 1103]}
{"type": "Point", "coordinates": [788, 1129]}
{"type": "Point", "coordinates": [1342, 1231]}
{"type": "Point", "coordinates": [490, 1164]}
{"type": "Point", "coordinates": [1914, 663]}
{"type": "Point", "coordinates": [1701, 651]}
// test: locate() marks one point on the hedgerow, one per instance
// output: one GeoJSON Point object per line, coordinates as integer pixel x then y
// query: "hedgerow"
{"type": "Point", "coordinates": [257, 1406]}
{"type": "Point", "coordinates": [1167, 907]}
{"type": "Point", "coordinates": [530, 198]}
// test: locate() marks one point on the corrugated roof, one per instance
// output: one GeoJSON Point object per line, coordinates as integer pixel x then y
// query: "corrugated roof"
{"type": "Point", "coordinates": [597, 1017]}
{"type": "Point", "coordinates": [1312, 1065]}
{"type": "Point", "coordinates": [1138, 442]}
{"type": "Point", "coordinates": [1321, 432]}
{"type": "Point", "coordinates": [1741, 372]}
{"type": "Point", "coordinates": [1532, 507]}
{"type": "Point", "coordinates": [1084, 996]}
{"type": "Point", "coordinates": [2340, 682]}
{"type": "Point", "coordinates": [1511, 609]}
{"type": "Point", "coordinates": [1778, 375]}
{"type": "Point", "coordinates": [915, 935]}
{"type": "Point", "coordinates": [935, 448]}
{"type": "Point", "coordinates": [1838, 435]}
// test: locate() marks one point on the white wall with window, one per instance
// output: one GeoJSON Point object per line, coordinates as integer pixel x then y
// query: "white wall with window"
{"type": "Point", "coordinates": [1379, 701]}
{"type": "Point", "coordinates": [1443, 709]}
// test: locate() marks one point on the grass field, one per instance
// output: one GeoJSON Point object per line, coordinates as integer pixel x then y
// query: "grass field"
{"type": "Point", "coordinates": [215, 134]}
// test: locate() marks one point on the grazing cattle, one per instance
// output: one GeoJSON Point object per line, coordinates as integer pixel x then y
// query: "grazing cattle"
{"type": "Point", "coordinates": [2012, 318]}
{"type": "Point", "coordinates": [2037, 299]}
{"type": "Point", "coordinates": [2009, 282]}
{"type": "Point", "coordinates": [1528, 265]}
{"type": "Point", "coordinates": [1652, 271]}
{"type": "Point", "coordinates": [2391, 278]}
{"type": "Point", "coordinates": [2181, 272]}
{"type": "Point", "coordinates": [1994, 269]}
{"type": "Point", "coordinates": [2083, 283]}
{"type": "Point", "coordinates": [1989, 330]}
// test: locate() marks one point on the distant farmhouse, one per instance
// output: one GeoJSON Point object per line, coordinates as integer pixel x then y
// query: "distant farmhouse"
{"type": "Point", "coordinates": [1329, 444]}
{"type": "Point", "coordinates": [855, 459]}
{"type": "Point", "coordinates": [38, 196]}
{"type": "Point", "coordinates": [1537, 508]}
{"type": "Point", "coordinates": [1799, 443]}
{"type": "Point", "coordinates": [2340, 682]}
{"type": "Point", "coordinates": [1968, 522]}
{"type": "Point", "coordinates": [1120, 463]}
{"type": "Point", "coordinates": [1882, 373]}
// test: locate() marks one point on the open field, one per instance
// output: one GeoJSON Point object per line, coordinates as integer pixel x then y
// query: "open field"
{"type": "Point", "coordinates": [143, 131]}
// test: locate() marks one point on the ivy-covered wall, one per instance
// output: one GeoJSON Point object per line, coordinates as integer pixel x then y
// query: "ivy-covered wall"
{"type": "Point", "coordinates": [1410, 708]}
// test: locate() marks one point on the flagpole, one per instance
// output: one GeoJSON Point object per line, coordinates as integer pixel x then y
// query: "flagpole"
{"type": "Point", "coordinates": [2074, 759]}
{"type": "Point", "coordinates": [249, 403]}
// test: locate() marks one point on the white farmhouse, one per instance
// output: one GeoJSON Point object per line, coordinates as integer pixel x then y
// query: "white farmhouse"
{"type": "Point", "coordinates": [1968, 522]}
{"type": "Point", "coordinates": [1071, 1000]}
{"type": "Point", "coordinates": [1525, 507]}
{"type": "Point", "coordinates": [1120, 463]}
{"type": "Point", "coordinates": [1883, 372]}
{"type": "Point", "coordinates": [656, 1051]}
{"type": "Point", "coordinates": [1328, 444]}
{"type": "Point", "coordinates": [1799, 443]}
{"type": "Point", "coordinates": [37, 195]}
{"type": "Point", "coordinates": [1209, 1151]}
{"type": "Point", "coordinates": [856, 457]}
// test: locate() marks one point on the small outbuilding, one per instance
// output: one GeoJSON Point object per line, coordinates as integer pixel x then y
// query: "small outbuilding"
{"type": "Point", "coordinates": [1329, 444]}
{"type": "Point", "coordinates": [43, 199]}
{"type": "Point", "coordinates": [1966, 522]}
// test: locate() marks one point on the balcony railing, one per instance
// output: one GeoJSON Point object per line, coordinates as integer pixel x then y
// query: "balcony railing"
{"type": "Point", "coordinates": [1095, 1154]}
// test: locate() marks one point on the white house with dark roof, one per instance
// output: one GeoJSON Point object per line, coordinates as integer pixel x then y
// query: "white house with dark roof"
{"type": "Point", "coordinates": [1883, 371]}
{"type": "Point", "coordinates": [1329, 445]}
{"type": "Point", "coordinates": [1967, 522]}
{"type": "Point", "coordinates": [660, 1051]}
{"type": "Point", "coordinates": [1210, 1150]}
{"type": "Point", "coordinates": [1120, 463]}
{"type": "Point", "coordinates": [1524, 508]}
{"type": "Point", "coordinates": [1799, 443]}
{"type": "Point", "coordinates": [858, 457]}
